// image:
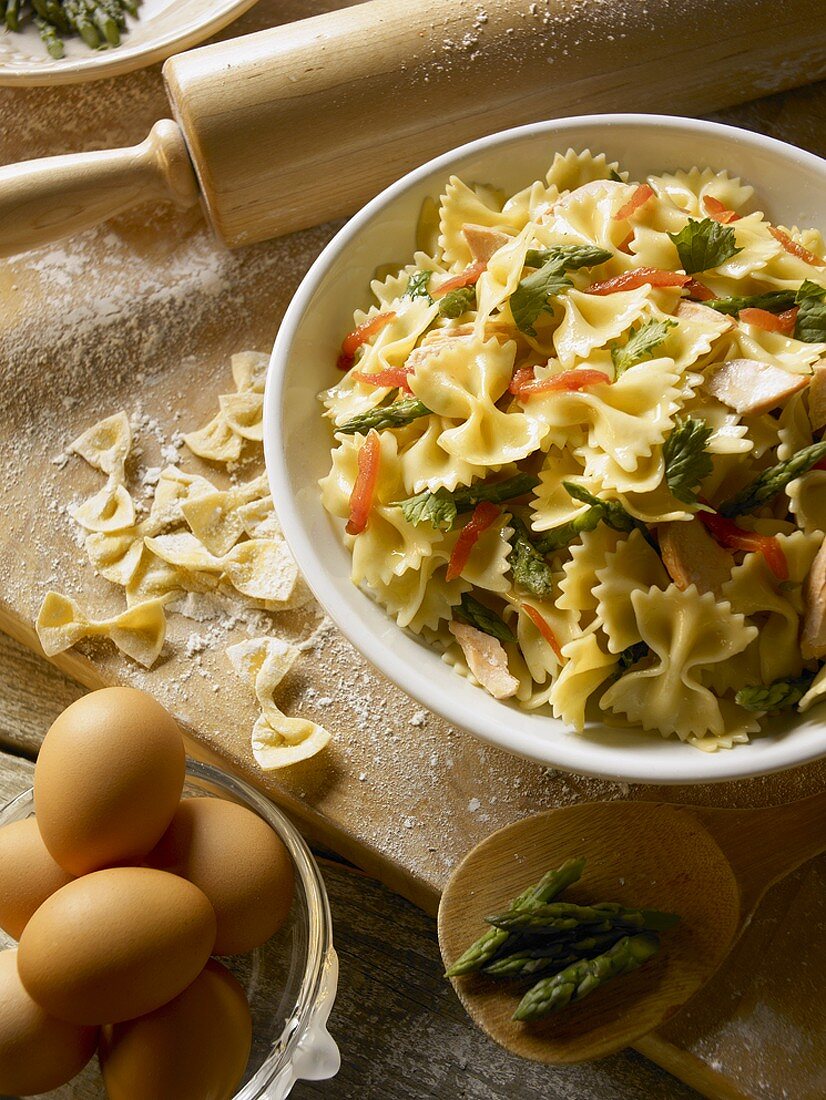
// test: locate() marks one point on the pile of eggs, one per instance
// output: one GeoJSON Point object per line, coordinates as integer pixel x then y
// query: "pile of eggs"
{"type": "Point", "coordinates": [118, 893]}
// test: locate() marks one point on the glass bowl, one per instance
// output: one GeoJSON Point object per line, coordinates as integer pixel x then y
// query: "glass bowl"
{"type": "Point", "coordinates": [290, 981]}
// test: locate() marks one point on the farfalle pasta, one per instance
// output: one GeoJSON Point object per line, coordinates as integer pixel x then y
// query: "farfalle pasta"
{"type": "Point", "coordinates": [578, 447]}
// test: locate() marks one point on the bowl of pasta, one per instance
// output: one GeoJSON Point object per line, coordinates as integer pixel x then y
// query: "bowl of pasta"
{"type": "Point", "coordinates": [543, 425]}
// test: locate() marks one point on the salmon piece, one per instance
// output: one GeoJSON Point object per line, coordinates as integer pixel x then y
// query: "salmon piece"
{"type": "Point", "coordinates": [813, 635]}
{"type": "Point", "coordinates": [749, 386]}
{"type": "Point", "coordinates": [486, 658]}
{"type": "Point", "coordinates": [691, 556]}
{"type": "Point", "coordinates": [483, 241]}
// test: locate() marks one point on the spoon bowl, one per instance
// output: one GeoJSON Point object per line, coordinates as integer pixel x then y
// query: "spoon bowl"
{"type": "Point", "coordinates": [710, 866]}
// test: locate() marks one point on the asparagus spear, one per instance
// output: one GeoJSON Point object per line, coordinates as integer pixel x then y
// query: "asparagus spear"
{"type": "Point", "coordinates": [563, 916]}
{"type": "Point", "coordinates": [583, 977]}
{"type": "Point", "coordinates": [76, 13]}
{"type": "Point", "coordinates": [772, 481]}
{"type": "Point", "coordinates": [554, 956]}
{"type": "Point", "coordinates": [104, 22]}
{"type": "Point", "coordinates": [12, 16]}
{"type": "Point", "coordinates": [385, 416]}
{"type": "Point", "coordinates": [49, 37]}
{"type": "Point", "coordinates": [488, 945]}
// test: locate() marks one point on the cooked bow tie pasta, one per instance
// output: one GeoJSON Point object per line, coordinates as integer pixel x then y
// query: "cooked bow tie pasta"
{"type": "Point", "coordinates": [578, 448]}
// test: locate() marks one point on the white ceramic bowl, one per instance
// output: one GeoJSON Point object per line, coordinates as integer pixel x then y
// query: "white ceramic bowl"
{"type": "Point", "coordinates": [792, 189]}
{"type": "Point", "coordinates": [163, 27]}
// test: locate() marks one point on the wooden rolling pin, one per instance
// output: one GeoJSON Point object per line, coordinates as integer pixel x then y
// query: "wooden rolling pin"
{"type": "Point", "coordinates": [304, 122]}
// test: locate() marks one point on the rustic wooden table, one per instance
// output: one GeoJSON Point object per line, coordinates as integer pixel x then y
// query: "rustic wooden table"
{"type": "Point", "coordinates": [402, 1032]}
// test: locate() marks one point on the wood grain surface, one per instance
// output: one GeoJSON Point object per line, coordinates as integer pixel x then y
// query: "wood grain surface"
{"type": "Point", "coordinates": [402, 1032]}
{"type": "Point", "coordinates": [152, 305]}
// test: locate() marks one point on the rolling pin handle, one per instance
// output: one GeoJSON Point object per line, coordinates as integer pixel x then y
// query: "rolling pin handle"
{"type": "Point", "coordinates": [45, 200]}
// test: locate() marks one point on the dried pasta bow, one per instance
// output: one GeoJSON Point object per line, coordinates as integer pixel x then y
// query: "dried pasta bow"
{"type": "Point", "coordinates": [278, 740]}
{"type": "Point", "coordinates": [106, 446]}
{"type": "Point", "coordinates": [138, 632]}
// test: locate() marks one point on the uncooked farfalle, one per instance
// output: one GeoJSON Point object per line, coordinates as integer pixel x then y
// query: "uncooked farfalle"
{"type": "Point", "coordinates": [278, 740]}
{"type": "Point", "coordinates": [139, 631]}
{"type": "Point", "coordinates": [106, 446]}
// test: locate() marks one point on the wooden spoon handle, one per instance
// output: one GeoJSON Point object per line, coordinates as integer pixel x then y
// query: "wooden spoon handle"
{"type": "Point", "coordinates": [764, 845]}
{"type": "Point", "coordinates": [44, 200]}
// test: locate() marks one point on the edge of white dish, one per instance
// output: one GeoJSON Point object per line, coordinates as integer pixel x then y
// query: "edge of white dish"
{"type": "Point", "coordinates": [290, 405]}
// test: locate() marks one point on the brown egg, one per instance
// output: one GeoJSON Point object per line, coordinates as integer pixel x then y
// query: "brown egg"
{"type": "Point", "coordinates": [115, 944]}
{"type": "Point", "coordinates": [241, 865]}
{"type": "Point", "coordinates": [108, 779]}
{"type": "Point", "coordinates": [28, 874]}
{"type": "Point", "coordinates": [194, 1048]}
{"type": "Point", "coordinates": [37, 1052]}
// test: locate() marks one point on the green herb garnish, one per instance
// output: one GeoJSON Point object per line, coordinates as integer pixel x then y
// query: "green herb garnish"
{"type": "Point", "coordinates": [772, 481]}
{"type": "Point", "coordinates": [477, 614]}
{"type": "Point", "coordinates": [532, 296]}
{"type": "Point", "coordinates": [811, 316]}
{"type": "Point", "coordinates": [417, 285]}
{"type": "Point", "coordinates": [441, 507]}
{"type": "Point", "coordinates": [702, 245]}
{"type": "Point", "coordinates": [632, 654]}
{"type": "Point", "coordinates": [686, 460]}
{"type": "Point", "coordinates": [640, 345]}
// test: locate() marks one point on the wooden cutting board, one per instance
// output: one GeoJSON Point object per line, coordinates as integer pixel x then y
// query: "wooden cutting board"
{"type": "Point", "coordinates": [142, 315]}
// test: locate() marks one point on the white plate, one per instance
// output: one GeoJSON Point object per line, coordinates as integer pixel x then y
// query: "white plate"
{"type": "Point", "coordinates": [163, 27]}
{"type": "Point", "coordinates": [792, 188]}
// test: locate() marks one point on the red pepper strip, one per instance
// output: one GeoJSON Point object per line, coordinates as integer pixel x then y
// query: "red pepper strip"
{"type": "Point", "coordinates": [728, 534]}
{"type": "Point", "coordinates": [364, 487]}
{"type": "Point", "coordinates": [484, 514]}
{"type": "Point", "coordinates": [820, 465]}
{"type": "Point", "coordinates": [521, 378]}
{"type": "Point", "coordinates": [631, 280]}
{"type": "Point", "coordinates": [641, 196]}
{"type": "Point", "coordinates": [699, 291]}
{"type": "Point", "coordinates": [720, 213]}
{"type": "Point", "coordinates": [795, 249]}
{"type": "Point", "coordinates": [468, 277]}
{"type": "Point", "coordinates": [544, 629]}
{"type": "Point", "coordinates": [354, 340]}
{"type": "Point", "coordinates": [569, 381]}
{"type": "Point", "coordinates": [770, 322]}
{"type": "Point", "coordinates": [625, 245]}
{"type": "Point", "coordinates": [390, 376]}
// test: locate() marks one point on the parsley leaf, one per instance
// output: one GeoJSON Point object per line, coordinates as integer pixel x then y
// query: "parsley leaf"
{"type": "Point", "coordinates": [775, 301]}
{"type": "Point", "coordinates": [529, 568]}
{"type": "Point", "coordinates": [614, 175]}
{"type": "Point", "coordinates": [686, 459]}
{"type": "Point", "coordinates": [440, 508]}
{"type": "Point", "coordinates": [811, 316]}
{"type": "Point", "coordinates": [417, 285]}
{"type": "Point", "coordinates": [774, 696]}
{"type": "Point", "coordinates": [772, 481]}
{"type": "Point", "coordinates": [385, 416]}
{"type": "Point", "coordinates": [477, 614]}
{"type": "Point", "coordinates": [640, 345]}
{"type": "Point", "coordinates": [532, 296]}
{"type": "Point", "coordinates": [457, 302]}
{"type": "Point", "coordinates": [703, 245]}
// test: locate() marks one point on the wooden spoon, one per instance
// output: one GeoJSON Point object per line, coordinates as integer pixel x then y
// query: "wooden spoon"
{"type": "Point", "coordinates": [711, 866]}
